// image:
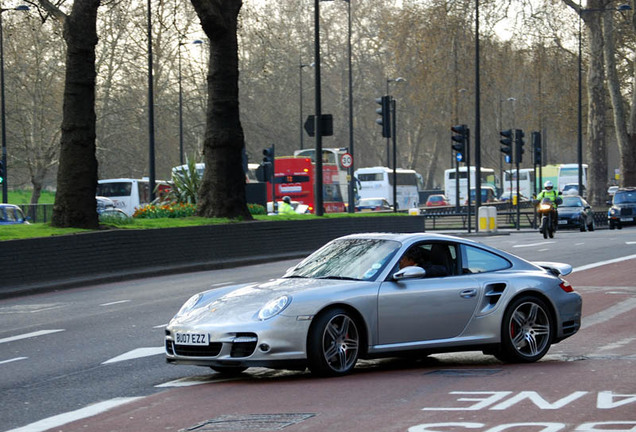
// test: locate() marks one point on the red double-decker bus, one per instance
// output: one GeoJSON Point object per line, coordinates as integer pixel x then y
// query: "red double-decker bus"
{"type": "Point", "coordinates": [296, 177]}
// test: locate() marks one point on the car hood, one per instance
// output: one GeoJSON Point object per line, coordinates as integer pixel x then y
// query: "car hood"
{"type": "Point", "coordinates": [242, 303]}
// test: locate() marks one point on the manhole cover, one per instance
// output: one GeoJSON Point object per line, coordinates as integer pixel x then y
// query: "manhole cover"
{"type": "Point", "coordinates": [465, 372]}
{"type": "Point", "coordinates": [252, 422]}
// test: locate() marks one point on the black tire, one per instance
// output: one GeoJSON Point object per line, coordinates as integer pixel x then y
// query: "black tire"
{"type": "Point", "coordinates": [590, 227]}
{"type": "Point", "coordinates": [333, 344]}
{"type": "Point", "coordinates": [544, 227]}
{"type": "Point", "coordinates": [229, 370]}
{"type": "Point", "coordinates": [527, 331]}
{"type": "Point", "coordinates": [582, 225]}
{"type": "Point", "coordinates": [611, 225]}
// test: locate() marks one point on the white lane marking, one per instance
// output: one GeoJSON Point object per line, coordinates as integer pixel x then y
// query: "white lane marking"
{"type": "Point", "coordinates": [617, 344]}
{"type": "Point", "coordinates": [136, 353]}
{"type": "Point", "coordinates": [609, 313]}
{"type": "Point", "coordinates": [12, 360]}
{"type": "Point", "coordinates": [602, 263]}
{"type": "Point", "coordinates": [62, 419]}
{"type": "Point", "coordinates": [543, 250]}
{"type": "Point", "coordinates": [29, 335]}
{"type": "Point", "coordinates": [186, 382]}
{"type": "Point", "coordinates": [115, 302]}
{"type": "Point", "coordinates": [630, 242]}
{"type": "Point", "coordinates": [533, 244]}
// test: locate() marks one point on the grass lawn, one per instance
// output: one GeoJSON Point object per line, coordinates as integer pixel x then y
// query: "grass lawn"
{"type": "Point", "coordinates": [13, 232]}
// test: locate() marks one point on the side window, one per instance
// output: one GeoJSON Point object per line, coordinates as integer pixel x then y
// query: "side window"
{"type": "Point", "coordinates": [480, 261]}
{"type": "Point", "coordinates": [438, 259]}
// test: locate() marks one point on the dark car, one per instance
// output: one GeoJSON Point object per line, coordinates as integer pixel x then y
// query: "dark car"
{"type": "Point", "coordinates": [373, 204]}
{"type": "Point", "coordinates": [11, 214]}
{"type": "Point", "coordinates": [575, 212]}
{"type": "Point", "coordinates": [623, 209]}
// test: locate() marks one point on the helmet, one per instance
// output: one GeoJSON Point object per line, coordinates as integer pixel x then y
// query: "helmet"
{"type": "Point", "coordinates": [548, 185]}
{"type": "Point", "coordinates": [287, 199]}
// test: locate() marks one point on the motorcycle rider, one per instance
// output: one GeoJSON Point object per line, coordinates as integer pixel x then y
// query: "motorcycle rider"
{"type": "Point", "coordinates": [550, 193]}
{"type": "Point", "coordinates": [285, 207]}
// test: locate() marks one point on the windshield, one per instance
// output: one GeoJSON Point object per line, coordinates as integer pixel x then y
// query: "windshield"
{"type": "Point", "coordinates": [357, 259]}
{"type": "Point", "coordinates": [572, 202]}
{"type": "Point", "coordinates": [625, 197]}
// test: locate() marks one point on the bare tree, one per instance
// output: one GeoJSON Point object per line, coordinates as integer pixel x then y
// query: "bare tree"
{"type": "Point", "coordinates": [222, 192]}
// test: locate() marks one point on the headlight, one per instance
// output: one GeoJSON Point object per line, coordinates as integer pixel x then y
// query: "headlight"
{"type": "Point", "coordinates": [274, 307]}
{"type": "Point", "coordinates": [545, 207]}
{"type": "Point", "coordinates": [190, 304]}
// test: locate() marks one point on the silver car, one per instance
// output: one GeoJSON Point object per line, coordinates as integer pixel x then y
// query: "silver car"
{"type": "Point", "coordinates": [360, 297]}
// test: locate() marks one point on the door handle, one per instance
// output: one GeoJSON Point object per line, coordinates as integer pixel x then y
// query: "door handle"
{"type": "Point", "coordinates": [469, 293]}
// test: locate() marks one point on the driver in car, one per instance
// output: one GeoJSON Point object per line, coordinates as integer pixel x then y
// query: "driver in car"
{"type": "Point", "coordinates": [421, 257]}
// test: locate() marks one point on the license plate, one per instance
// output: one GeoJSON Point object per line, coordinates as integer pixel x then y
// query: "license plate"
{"type": "Point", "coordinates": [191, 339]}
{"type": "Point", "coordinates": [563, 222]}
{"type": "Point", "coordinates": [626, 219]}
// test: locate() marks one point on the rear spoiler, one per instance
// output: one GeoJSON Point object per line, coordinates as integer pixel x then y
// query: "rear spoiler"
{"type": "Point", "coordinates": [557, 269]}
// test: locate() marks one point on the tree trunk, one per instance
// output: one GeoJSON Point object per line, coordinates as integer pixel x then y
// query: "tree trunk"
{"type": "Point", "coordinates": [222, 192]}
{"type": "Point", "coordinates": [613, 85]}
{"type": "Point", "coordinates": [596, 141]}
{"type": "Point", "coordinates": [77, 175]}
{"type": "Point", "coordinates": [628, 154]}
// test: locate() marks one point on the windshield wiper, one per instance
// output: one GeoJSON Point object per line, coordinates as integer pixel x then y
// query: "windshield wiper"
{"type": "Point", "coordinates": [295, 276]}
{"type": "Point", "coordinates": [338, 278]}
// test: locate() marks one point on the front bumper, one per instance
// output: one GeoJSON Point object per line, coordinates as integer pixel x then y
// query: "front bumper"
{"type": "Point", "coordinates": [279, 342]}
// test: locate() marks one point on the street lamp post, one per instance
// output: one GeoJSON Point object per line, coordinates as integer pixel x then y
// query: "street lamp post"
{"type": "Point", "coordinates": [5, 190]}
{"type": "Point", "coordinates": [197, 41]}
{"type": "Point", "coordinates": [351, 169]}
{"type": "Point", "coordinates": [151, 111]}
{"type": "Point", "coordinates": [301, 65]}
{"type": "Point", "coordinates": [319, 211]}
{"type": "Point", "coordinates": [579, 142]}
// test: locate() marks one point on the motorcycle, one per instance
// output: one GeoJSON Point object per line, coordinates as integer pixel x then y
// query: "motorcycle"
{"type": "Point", "coordinates": [546, 212]}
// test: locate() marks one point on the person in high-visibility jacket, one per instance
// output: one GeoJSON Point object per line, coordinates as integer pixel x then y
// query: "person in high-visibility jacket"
{"type": "Point", "coordinates": [550, 193]}
{"type": "Point", "coordinates": [285, 207]}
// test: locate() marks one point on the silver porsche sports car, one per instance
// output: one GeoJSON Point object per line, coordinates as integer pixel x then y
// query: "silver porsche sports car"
{"type": "Point", "coordinates": [380, 295]}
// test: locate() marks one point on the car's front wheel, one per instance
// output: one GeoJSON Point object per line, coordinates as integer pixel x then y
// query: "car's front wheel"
{"type": "Point", "coordinates": [333, 344]}
{"type": "Point", "coordinates": [526, 332]}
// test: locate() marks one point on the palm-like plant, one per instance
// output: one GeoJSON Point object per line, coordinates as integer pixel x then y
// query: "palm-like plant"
{"type": "Point", "coordinates": [185, 184]}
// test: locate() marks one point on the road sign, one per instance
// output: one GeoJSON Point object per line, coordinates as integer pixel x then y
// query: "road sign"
{"type": "Point", "coordinates": [346, 160]}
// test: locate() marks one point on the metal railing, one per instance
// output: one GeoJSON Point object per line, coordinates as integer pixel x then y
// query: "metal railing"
{"type": "Point", "coordinates": [37, 213]}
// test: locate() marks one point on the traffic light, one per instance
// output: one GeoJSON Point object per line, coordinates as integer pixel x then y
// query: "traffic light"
{"type": "Point", "coordinates": [268, 163]}
{"type": "Point", "coordinates": [385, 115]}
{"type": "Point", "coordinates": [536, 147]}
{"type": "Point", "coordinates": [506, 144]}
{"type": "Point", "coordinates": [519, 143]}
{"type": "Point", "coordinates": [1, 172]}
{"type": "Point", "coordinates": [460, 140]}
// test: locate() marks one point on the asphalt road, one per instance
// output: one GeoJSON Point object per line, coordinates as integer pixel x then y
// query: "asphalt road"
{"type": "Point", "coordinates": [71, 354]}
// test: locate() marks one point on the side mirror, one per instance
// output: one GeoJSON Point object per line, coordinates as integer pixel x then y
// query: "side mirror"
{"type": "Point", "coordinates": [410, 272]}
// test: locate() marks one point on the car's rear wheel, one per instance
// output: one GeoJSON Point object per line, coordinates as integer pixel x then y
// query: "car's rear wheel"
{"type": "Point", "coordinates": [590, 227]}
{"type": "Point", "coordinates": [229, 370]}
{"type": "Point", "coordinates": [526, 332]}
{"type": "Point", "coordinates": [582, 224]}
{"type": "Point", "coordinates": [333, 344]}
